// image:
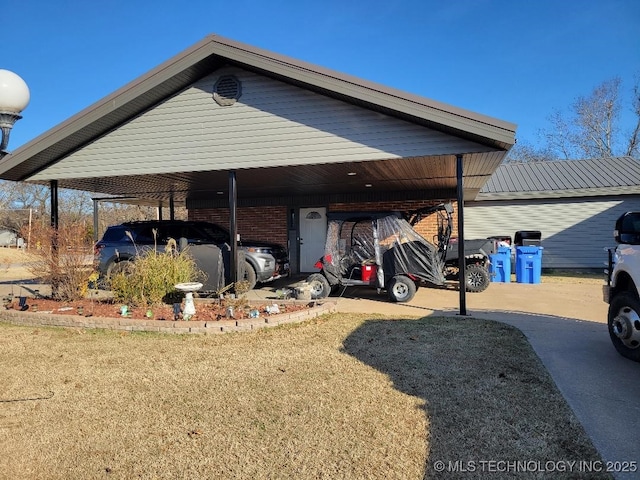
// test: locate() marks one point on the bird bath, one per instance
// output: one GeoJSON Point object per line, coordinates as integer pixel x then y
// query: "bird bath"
{"type": "Point", "coordinates": [189, 305]}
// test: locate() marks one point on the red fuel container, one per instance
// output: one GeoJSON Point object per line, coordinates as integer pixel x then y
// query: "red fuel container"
{"type": "Point", "coordinates": [369, 273]}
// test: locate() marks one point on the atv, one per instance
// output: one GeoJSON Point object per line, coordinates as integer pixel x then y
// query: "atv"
{"type": "Point", "coordinates": [382, 250]}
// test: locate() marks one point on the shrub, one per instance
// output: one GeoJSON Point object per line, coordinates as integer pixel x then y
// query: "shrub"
{"type": "Point", "coordinates": [63, 258]}
{"type": "Point", "coordinates": [153, 276]}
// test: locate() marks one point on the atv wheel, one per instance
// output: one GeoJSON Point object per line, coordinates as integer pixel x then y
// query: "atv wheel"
{"type": "Point", "coordinates": [624, 325]}
{"type": "Point", "coordinates": [476, 278]}
{"type": "Point", "coordinates": [401, 289]}
{"type": "Point", "coordinates": [319, 286]}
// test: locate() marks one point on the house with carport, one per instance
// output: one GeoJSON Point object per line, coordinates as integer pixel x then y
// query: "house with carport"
{"type": "Point", "coordinates": [266, 144]}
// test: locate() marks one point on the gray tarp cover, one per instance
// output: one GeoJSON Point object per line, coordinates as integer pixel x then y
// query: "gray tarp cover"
{"type": "Point", "coordinates": [209, 259]}
{"type": "Point", "coordinates": [399, 249]}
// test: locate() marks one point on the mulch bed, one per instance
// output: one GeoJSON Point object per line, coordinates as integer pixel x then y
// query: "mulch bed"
{"type": "Point", "coordinates": [205, 310]}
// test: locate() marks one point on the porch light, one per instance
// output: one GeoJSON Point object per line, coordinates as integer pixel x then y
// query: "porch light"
{"type": "Point", "coordinates": [14, 97]}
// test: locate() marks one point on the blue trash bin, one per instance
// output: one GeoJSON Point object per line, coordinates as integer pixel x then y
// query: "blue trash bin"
{"type": "Point", "coordinates": [500, 267]}
{"type": "Point", "coordinates": [528, 264]}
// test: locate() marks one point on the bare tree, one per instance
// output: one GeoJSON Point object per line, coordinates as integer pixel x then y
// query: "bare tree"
{"type": "Point", "coordinates": [561, 140]}
{"type": "Point", "coordinates": [591, 128]}
{"type": "Point", "coordinates": [75, 206]}
{"type": "Point", "coordinates": [523, 152]}
{"type": "Point", "coordinates": [633, 148]}
{"type": "Point", "coordinates": [21, 203]}
{"type": "Point", "coordinates": [24, 195]}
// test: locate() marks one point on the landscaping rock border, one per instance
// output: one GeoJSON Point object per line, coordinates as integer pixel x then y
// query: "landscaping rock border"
{"type": "Point", "coordinates": [27, 318]}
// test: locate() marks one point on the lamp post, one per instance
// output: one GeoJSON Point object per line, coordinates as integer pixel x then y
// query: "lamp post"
{"type": "Point", "coordinates": [14, 97]}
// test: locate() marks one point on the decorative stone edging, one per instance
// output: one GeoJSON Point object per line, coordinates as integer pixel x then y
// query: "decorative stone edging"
{"type": "Point", "coordinates": [26, 318]}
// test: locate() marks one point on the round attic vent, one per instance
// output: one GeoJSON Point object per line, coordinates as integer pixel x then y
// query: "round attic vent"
{"type": "Point", "coordinates": [227, 90]}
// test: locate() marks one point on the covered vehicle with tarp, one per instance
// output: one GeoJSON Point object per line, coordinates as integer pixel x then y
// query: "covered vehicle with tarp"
{"type": "Point", "coordinates": [382, 250]}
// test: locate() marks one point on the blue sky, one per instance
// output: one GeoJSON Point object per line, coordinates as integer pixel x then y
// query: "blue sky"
{"type": "Point", "coordinates": [516, 60]}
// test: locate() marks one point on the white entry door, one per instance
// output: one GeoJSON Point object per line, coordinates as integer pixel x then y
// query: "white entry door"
{"type": "Point", "coordinates": [313, 234]}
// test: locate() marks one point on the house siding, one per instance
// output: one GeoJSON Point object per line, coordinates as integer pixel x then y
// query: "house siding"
{"type": "Point", "coordinates": [575, 231]}
{"type": "Point", "coordinates": [272, 124]}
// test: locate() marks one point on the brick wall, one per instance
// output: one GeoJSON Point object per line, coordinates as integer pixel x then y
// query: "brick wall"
{"type": "Point", "coordinates": [267, 224]}
{"type": "Point", "coordinates": [270, 223]}
{"type": "Point", "coordinates": [428, 227]}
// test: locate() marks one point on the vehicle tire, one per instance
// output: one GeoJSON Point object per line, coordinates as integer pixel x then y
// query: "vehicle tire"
{"type": "Point", "coordinates": [320, 287]}
{"type": "Point", "coordinates": [248, 274]}
{"type": "Point", "coordinates": [401, 289]}
{"type": "Point", "coordinates": [624, 324]}
{"type": "Point", "coordinates": [118, 267]}
{"type": "Point", "coordinates": [476, 278]}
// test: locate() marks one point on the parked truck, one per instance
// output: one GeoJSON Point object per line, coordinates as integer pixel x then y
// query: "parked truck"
{"type": "Point", "coordinates": [621, 289]}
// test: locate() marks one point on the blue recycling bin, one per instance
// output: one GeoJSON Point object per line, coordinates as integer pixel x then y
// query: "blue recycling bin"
{"type": "Point", "coordinates": [528, 264]}
{"type": "Point", "coordinates": [500, 265]}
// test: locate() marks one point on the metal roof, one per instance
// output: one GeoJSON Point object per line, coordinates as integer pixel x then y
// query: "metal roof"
{"type": "Point", "coordinates": [563, 178]}
{"type": "Point", "coordinates": [215, 52]}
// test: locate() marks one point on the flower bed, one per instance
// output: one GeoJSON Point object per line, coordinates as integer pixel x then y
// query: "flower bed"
{"type": "Point", "coordinates": [210, 318]}
{"type": "Point", "coordinates": [206, 310]}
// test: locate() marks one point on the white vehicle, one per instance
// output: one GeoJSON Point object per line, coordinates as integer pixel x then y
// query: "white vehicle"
{"type": "Point", "coordinates": [621, 290]}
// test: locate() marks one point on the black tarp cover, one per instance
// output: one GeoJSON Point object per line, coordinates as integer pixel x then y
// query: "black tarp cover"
{"type": "Point", "coordinates": [388, 242]}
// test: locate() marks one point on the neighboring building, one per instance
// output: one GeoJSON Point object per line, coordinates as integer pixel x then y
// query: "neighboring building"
{"type": "Point", "coordinates": [8, 238]}
{"type": "Point", "coordinates": [573, 203]}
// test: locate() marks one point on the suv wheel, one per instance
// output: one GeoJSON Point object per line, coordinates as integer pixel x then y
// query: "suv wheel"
{"type": "Point", "coordinates": [249, 275]}
{"type": "Point", "coordinates": [118, 267]}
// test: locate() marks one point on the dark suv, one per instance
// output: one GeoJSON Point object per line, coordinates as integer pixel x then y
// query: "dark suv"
{"type": "Point", "coordinates": [265, 261]}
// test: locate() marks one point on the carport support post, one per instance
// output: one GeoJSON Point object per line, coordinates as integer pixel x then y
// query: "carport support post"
{"type": "Point", "coordinates": [54, 205]}
{"type": "Point", "coordinates": [95, 220]}
{"type": "Point", "coordinates": [233, 227]}
{"type": "Point", "coordinates": [461, 259]}
{"type": "Point", "coordinates": [53, 185]}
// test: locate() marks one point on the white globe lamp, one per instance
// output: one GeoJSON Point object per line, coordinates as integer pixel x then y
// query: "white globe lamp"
{"type": "Point", "coordinates": [14, 98]}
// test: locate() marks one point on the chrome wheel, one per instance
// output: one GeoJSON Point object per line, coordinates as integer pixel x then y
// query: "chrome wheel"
{"type": "Point", "coordinates": [401, 289]}
{"type": "Point", "coordinates": [624, 324]}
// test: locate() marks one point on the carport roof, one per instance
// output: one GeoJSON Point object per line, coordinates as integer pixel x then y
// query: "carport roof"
{"type": "Point", "coordinates": [214, 52]}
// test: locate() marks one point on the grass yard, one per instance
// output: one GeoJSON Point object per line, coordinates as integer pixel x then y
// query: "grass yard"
{"type": "Point", "coordinates": [343, 396]}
